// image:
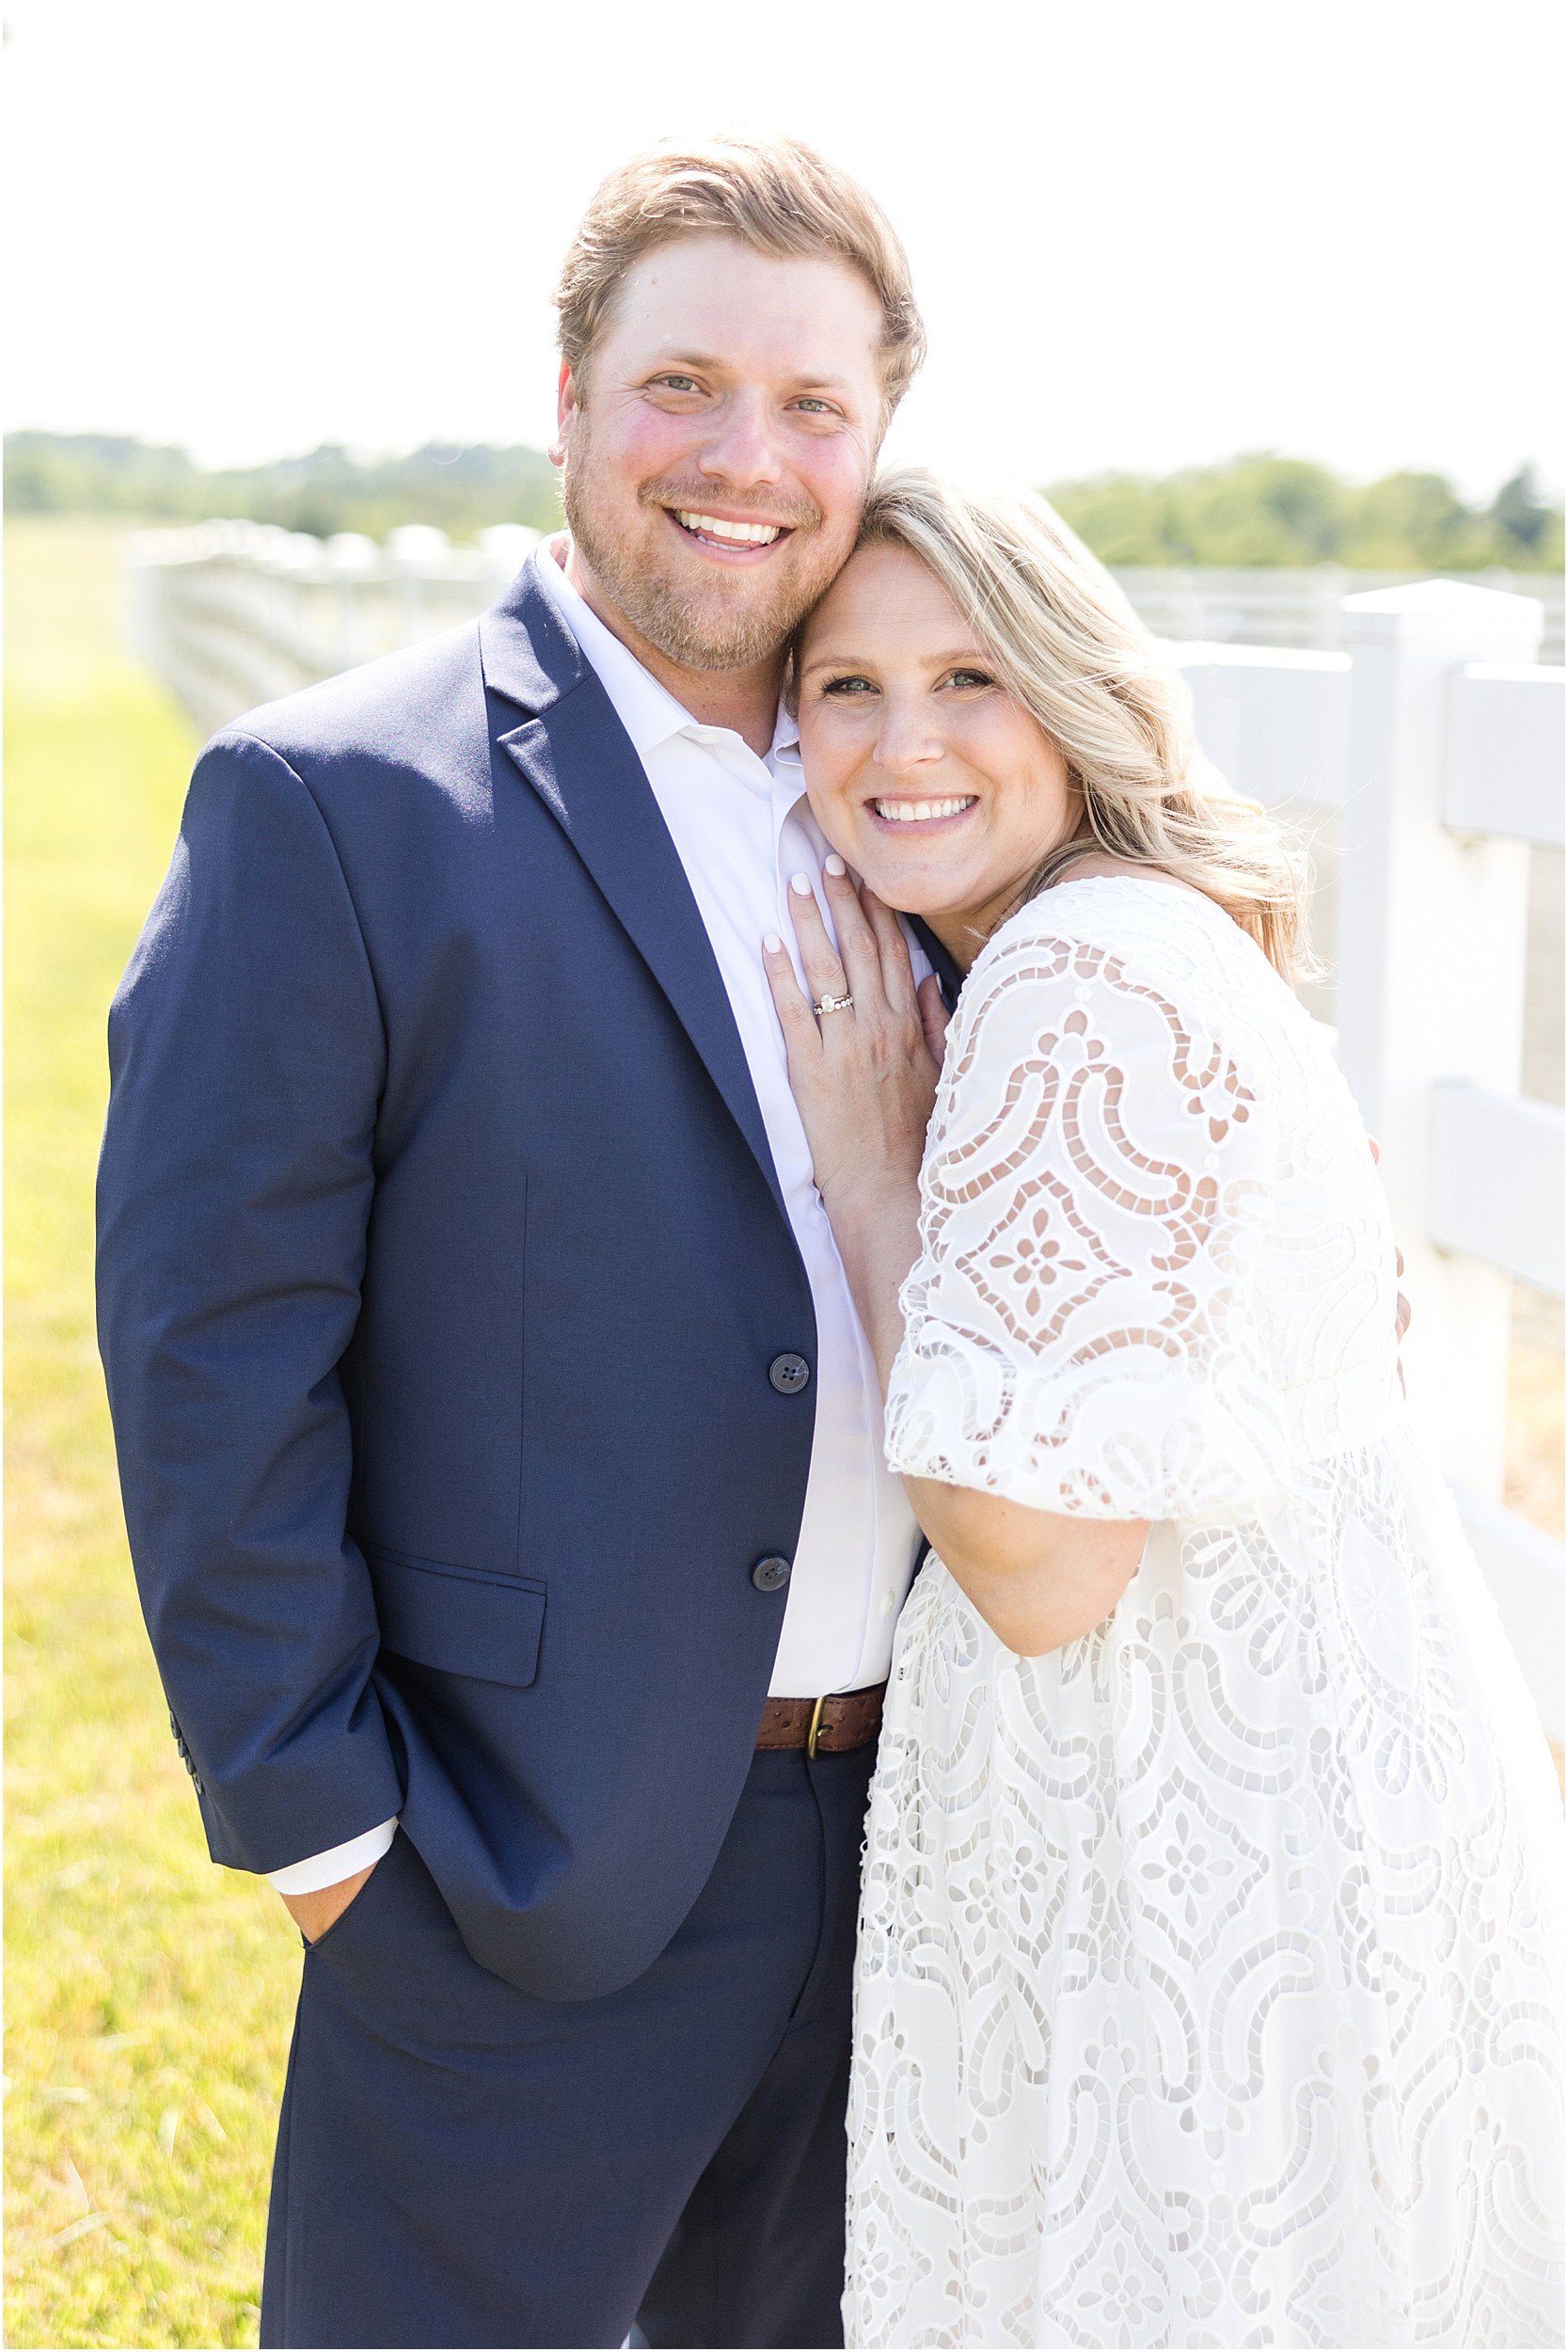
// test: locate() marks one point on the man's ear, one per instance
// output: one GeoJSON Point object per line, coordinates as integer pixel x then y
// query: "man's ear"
{"type": "Point", "coordinates": [565, 409]}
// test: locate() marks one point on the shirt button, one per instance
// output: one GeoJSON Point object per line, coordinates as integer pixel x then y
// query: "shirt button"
{"type": "Point", "coordinates": [770, 1573]}
{"type": "Point", "coordinates": [789, 1374]}
{"type": "Point", "coordinates": [887, 1604]}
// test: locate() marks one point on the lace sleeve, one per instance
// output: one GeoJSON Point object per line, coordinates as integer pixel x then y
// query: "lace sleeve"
{"type": "Point", "coordinates": [1082, 1328]}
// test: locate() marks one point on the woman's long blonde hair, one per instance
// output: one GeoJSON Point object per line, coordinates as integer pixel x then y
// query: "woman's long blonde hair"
{"type": "Point", "coordinates": [1066, 642]}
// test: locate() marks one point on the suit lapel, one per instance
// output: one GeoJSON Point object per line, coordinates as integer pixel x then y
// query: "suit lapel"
{"type": "Point", "coordinates": [577, 757]}
{"type": "Point", "coordinates": [942, 962]}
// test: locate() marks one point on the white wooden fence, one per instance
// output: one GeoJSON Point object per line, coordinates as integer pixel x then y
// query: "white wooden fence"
{"type": "Point", "coordinates": [1211, 606]}
{"type": "Point", "coordinates": [1436, 747]}
{"type": "Point", "coordinates": [1425, 746]}
{"type": "Point", "coordinates": [230, 614]}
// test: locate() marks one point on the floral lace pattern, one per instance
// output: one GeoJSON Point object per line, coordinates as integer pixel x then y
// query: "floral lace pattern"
{"type": "Point", "coordinates": [1207, 1990]}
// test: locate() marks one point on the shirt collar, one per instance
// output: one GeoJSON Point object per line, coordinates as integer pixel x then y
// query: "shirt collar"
{"type": "Point", "coordinates": [647, 711]}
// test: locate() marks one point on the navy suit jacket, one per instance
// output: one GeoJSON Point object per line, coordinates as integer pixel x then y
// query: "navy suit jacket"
{"type": "Point", "coordinates": [442, 1264]}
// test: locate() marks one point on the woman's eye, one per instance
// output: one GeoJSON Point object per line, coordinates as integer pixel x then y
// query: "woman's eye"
{"type": "Point", "coordinates": [971, 677]}
{"type": "Point", "coordinates": [846, 686]}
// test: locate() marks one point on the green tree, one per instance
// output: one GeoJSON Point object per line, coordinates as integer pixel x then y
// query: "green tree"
{"type": "Point", "coordinates": [1416, 518]}
{"type": "Point", "coordinates": [1262, 509]}
{"type": "Point", "coordinates": [462, 488]}
{"type": "Point", "coordinates": [1521, 514]}
{"type": "Point", "coordinates": [1256, 509]}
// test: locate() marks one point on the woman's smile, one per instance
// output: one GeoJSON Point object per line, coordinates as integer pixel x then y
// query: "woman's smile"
{"type": "Point", "coordinates": [891, 811]}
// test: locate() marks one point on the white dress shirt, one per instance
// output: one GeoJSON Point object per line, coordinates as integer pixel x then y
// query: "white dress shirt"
{"type": "Point", "coordinates": [742, 828]}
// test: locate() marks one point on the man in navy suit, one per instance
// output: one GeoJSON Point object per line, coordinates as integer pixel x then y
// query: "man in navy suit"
{"type": "Point", "coordinates": [501, 1451]}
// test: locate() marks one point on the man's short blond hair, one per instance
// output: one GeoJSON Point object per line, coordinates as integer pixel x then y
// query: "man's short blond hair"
{"type": "Point", "coordinates": [778, 193]}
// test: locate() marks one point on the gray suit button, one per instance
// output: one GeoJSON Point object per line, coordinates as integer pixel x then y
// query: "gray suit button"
{"type": "Point", "coordinates": [789, 1374]}
{"type": "Point", "coordinates": [770, 1574]}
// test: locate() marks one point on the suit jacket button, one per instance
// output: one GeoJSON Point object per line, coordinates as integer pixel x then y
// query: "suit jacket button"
{"type": "Point", "coordinates": [789, 1374]}
{"type": "Point", "coordinates": [770, 1573]}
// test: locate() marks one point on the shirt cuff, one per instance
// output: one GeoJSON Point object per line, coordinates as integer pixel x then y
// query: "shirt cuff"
{"type": "Point", "coordinates": [339, 1862]}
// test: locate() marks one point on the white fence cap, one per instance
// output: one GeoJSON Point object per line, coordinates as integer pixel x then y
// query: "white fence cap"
{"type": "Point", "coordinates": [503, 538]}
{"type": "Point", "coordinates": [352, 552]}
{"type": "Point", "coordinates": [1444, 611]}
{"type": "Point", "coordinates": [1443, 596]}
{"type": "Point", "coordinates": [416, 543]}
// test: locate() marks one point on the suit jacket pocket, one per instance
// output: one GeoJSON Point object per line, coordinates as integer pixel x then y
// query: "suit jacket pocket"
{"type": "Point", "coordinates": [458, 1619]}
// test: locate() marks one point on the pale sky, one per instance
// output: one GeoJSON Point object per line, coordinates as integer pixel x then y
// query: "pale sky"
{"type": "Point", "coordinates": [1145, 233]}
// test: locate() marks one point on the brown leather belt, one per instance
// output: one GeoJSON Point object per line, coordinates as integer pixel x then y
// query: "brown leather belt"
{"type": "Point", "coordinates": [828, 1727]}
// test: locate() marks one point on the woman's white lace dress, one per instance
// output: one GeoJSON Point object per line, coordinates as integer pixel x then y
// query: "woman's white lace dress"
{"type": "Point", "coordinates": [1208, 1984]}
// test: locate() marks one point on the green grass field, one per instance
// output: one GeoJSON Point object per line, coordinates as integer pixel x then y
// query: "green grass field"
{"type": "Point", "coordinates": [150, 1996]}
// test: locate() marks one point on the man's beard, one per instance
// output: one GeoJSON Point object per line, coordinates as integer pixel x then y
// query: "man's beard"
{"type": "Point", "coordinates": [687, 628]}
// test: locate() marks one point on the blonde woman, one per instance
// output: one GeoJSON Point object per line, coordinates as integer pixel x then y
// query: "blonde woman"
{"type": "Point", "coordinates": [1207, 1974]}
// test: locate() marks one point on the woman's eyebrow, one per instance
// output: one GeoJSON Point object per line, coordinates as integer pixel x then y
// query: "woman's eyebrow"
{"type": "Point", "coordinates": [971, 654]}
{"type": "Point", "coordinates": [835, 662]}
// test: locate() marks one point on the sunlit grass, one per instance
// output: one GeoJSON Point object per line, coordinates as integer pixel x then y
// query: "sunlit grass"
{"type": "Point", "coordinates": [149, 1995]}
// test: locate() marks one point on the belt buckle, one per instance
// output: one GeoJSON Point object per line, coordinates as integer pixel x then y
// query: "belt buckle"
{"type": "Point", "coordinates": [812, 1727]}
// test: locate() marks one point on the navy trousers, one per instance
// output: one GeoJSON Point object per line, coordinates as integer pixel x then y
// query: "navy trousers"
{"type": "Point", "coordinates": [460, 2163]}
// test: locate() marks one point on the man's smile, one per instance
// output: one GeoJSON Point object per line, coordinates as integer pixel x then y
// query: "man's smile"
{"type": "Point", "coordinates": [735, 539]}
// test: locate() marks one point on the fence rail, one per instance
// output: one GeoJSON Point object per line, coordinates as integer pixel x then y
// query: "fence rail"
{"type": "Point", "coordinates": [1260, 607]}
{"type": "Point", "coordinates": [1413, 721]}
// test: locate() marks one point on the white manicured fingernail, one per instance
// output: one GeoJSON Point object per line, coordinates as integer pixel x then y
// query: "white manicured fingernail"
{"type": "Point", "coordinates": [773, 944]}
{"type": "Point", "coordinates": [800, 884]}
{"type": "Point", "coordinates": [835, 865]}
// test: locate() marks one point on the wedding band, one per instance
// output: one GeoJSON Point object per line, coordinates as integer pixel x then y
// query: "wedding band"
{"type": "Point", "coordinates": [833, 1003]}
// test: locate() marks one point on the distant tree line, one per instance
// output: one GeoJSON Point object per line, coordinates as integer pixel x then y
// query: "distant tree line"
{"type": "Point", "coordinates": [1254, 510]}
{"type": "Point", "coordinates": [1282, 511]}
{"type": "Point", "coordinates": [460, 488]}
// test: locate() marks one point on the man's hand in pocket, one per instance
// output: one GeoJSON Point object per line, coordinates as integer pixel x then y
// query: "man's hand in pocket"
{"type": "Point", "coordinates": [313, 1914]}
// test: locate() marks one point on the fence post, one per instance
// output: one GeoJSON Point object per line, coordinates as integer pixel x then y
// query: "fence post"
{"type": "Point", "coordinates": [1431, 976]}
{"type": "Point", "coordinates": [416, 553]}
